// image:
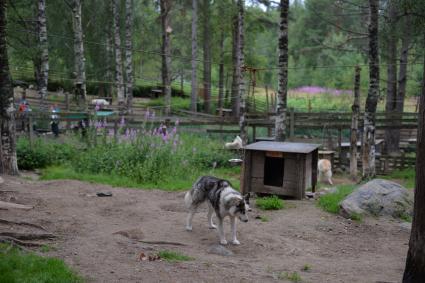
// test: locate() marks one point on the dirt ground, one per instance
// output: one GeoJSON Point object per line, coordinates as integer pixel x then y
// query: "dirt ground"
{"type": "Point", "coordinates": [335, 249]}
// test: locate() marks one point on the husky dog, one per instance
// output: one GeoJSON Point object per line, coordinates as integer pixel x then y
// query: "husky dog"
{"type": "Point", "coordinates": [222, 199]}
{"type": "Point", "coordinates": [325, 170]}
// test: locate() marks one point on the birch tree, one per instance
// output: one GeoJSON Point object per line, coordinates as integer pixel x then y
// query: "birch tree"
{"type": "Point", "coordinates": [79, 60]}
{"type": "Point", "coordinates": [240, 64]}
{"type": "Point", "coordinates": [44, 53]}
{"type": "Point", "coordinates": [166, 53]}
{"type": "Point", "coordinates": [119, 81]}
{"type": "Point", "coordinates": [221, 61]}
{"type": "Point", "coordinates": [373, 93]}
{"type": "Point", "coordinates": [281, 105]}
{"type": "Point", "coordinates": [207, 55]}
{"type": "Point", "coordinates": [236, 68]}
{"type": "Point", "coordinates": [194, 93]}
{"type": "Point", "coordinates": [8, 161]}
{"type": "Point", "coordinates": [129, 53]}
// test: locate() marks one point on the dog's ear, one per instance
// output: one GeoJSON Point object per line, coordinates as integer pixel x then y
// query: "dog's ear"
{"type": "Point", "coordinates": [246, 197]}
{"type": "Point", "coordinates": [223, 184]}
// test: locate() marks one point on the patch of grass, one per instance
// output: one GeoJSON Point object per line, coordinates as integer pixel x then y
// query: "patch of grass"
{"type": "Point", "coordinates": [269, 203]}
{"type": "Point", "coordinates": [46, 248]}
{"type": "Point", "coordinates": [330, 202]}
{"type": "Point", "coordinates": [264, 218]}
{"type": "Point", "coordinates": [306, 267]}
{"type": "Point", "coordinates": [293, 277]}
{"type": "Point", "coordinates": [406, 217]}
{"type": "Point", "coordinates": [18, 266]}
{"type": "Point", "coordinates": [406, 176]}
{"type": "Point", "coordinates": [174, 256]}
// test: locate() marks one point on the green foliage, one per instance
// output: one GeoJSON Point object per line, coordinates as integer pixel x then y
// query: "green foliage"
{"type": "Point", "coordinates": [293, 277]}
{"type": "Point", "coordinates": [269, 203]}
{"type": "Point", "coordinates": [306, 267]}
{"type": "Point", "coordinates": [43, 153]}
{"type": "Point", "coordinates": [330, 202]}
{"type": "Point", "coordinates": [405, 176]}
{"type": "Point", "coordinates": [18, 266]}
{"type": "Point", "coordinates": [174, 256]}
{"type": "Point", "coordinates": [264, 218]}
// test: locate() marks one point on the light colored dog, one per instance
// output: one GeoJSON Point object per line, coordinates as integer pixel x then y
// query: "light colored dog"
{"type": "Point", "coordinates": [236, 144]}
{"type": "Point", "coordinates": [222, 199]}
{"type": "Point", "coordinates": [325, 170]}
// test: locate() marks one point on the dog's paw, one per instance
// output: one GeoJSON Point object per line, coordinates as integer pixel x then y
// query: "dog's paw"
{"type": "Point", "coordinates": [213, 226]}
{"type": "Point", "coordinates": [236, 242]}
{"type": "Point", "coordinates": [188, 228]}
{"type": "Point", "coordinates": [223, 242]}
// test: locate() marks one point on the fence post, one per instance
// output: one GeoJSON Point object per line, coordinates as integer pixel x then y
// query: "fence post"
{"type": "Point", "coordinates": [291, 122]}
{"type": "Point", "coordinates": [31, 130]}
{"type": "Point", "coordinates": [355, 124]}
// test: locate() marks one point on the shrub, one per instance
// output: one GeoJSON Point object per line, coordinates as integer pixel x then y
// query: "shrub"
{"type": "Point", "coordinates": [174, 256]}
{"type": "Point", "coordinates": [330, 202]}
{"type": "Point", "coordinates": [269, 203]}
{"type": "Point", "coordinates": [42, 153]}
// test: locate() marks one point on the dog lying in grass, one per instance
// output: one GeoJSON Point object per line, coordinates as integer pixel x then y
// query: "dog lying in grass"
{"type": "Point", "coordinates": [325, 171]}
{"type": "Point", "coordinates": [222, 199]}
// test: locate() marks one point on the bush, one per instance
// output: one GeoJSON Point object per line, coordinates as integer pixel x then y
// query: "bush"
{"type": "Point", "coordinates": [330, 202]}
{"type": "Point", "coordinates": [42, 154]}
{"type": "Point", "coordinates": [174, 256]}
{"type": "Point", "coordinates": [269, 203]}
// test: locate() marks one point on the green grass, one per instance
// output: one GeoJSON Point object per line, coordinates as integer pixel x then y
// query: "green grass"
{"type": "Point", "coordinates": [18, 266]}
{"type": "Point", "coordinates": [330, 202]}
{"type": "Point", "coordinates": [306, 267]}
{"type": "Point", "coordinates": [293, 277]}
{"type": "Point", "coordinates": [264, 218]}
{"type": "Point", "coordinates": [65, 172]}
{"type": "Point", "coordinates": [174, 256]}
{"type": "Point", "coordinates": [269, 203]}
{"type": "Point", "coordinates": [406, 176]}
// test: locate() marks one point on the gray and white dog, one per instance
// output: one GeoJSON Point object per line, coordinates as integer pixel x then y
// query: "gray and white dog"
{"type": "Point", "coordinates": [222, 199]}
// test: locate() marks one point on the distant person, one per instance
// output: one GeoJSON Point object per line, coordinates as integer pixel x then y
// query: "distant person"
{"type": "Point", "coordinates": [55, 120]}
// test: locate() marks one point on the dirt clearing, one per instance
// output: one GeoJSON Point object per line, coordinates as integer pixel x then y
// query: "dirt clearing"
{"type": "Point", "coordinates": [100, 237]}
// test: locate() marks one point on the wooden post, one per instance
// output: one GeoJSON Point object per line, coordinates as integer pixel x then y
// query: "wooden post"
{"type": "Point", "coordinates": [254, 133]}
{"type": "Point", "coordinates": [340, 143]}
{"type": "Point", "coordinates": [355, 125]}
{"type": "Point", "coordinates": [31, 130]}
{"type": "Point", "coordinates": [267, 101]}
{"type": "Point", "coordinates": [292, 122]}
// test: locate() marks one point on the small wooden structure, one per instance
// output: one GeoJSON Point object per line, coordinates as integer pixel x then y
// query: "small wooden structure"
{"type": "Point", "coordinates": [280, 168]}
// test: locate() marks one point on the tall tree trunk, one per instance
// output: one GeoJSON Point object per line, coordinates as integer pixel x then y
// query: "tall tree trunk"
{"type": "Point", "coordinates": [8, 161]}
{"type": "Point", "coordinates": [415, 262]}
{"type": "Point", "coordinates": [280, 126]}
{"type": "Point", "coordinates": [241, 86]}
{"type": "Point", "coordinates": [392, 136]}
{"type": "Point", "coordinates": [129, 53]}
{"type": "Point", "coordinates": [402, 75]}
{"type": "Point", "coordinates": [235, 98]}
{"type": "Point", "coordinates": [221, 70]}
{"type": "Point", "coordinates": [194, 93]}
{"type": "Point", "coordinates": [372, 96]}
{"type": "Point", "coordinates": [207, 56]}
{"type": "Point", "coordinates": [119, 81]}
{"type": "Point", "coordinates": [109, 61]}
{"type": "Point", "coordinates": [166, 52]}
{"type": "Point", "coordinates": [80, 68]}
{"type": "Point", "coordinates": [44, 53]}
{"type": "Point", "coordinates": [355, 125]}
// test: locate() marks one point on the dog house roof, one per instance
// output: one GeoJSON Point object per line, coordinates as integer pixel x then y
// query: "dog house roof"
{"type": "Point", "coordinates": [292, 147]}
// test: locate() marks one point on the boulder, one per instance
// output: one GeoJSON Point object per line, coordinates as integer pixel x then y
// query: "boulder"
{"type": "Point", "coordinates": [379, 198]}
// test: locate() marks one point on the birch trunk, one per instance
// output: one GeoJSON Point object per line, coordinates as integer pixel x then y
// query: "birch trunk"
{"type": "Point", "coordinates": [355, 125]}
{"type": "Point", "coordinates": [281, 106]}
{"type": "Point", "coordinates": [372, 96]}
{"type": "Point", "coordinates": [119, 81]}
{"type": "Point", "coordinates": [402, 75]}
{"type": "Point", "coordinates": [166, 52]}
{"type": "Point", "coordinates": [221, 72]}
{"type": "Point", "coordinates": [415, 262]}
{"type": "Point", "coordinates": [44, 53]}
{"type": "Point", "coordinates": [129, 53]}
{"type": "Point", "coordinates": [8, 160]}
{"type": "Point", "coordinates": [391, 138]}
{"type": "Point", "coordinates": [80, 68]}
{"type": "Point", "coordinates": [241, 86]}
{"type": "Point", "coordinates": [207, 56]}
{"type": "Point", "coordinates": [194, 93]}
{"type": "Point", "coordinates": [235, 98]}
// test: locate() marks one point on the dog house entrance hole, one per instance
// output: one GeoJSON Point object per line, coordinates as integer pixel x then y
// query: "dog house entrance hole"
{"type": "Point", "coordinates": [273, 171]}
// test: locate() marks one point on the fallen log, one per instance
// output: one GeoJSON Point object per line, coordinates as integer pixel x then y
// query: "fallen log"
{"type": "Point", "coordinates": [11, 205]}
{"type": "Point", "coordinates": [162, 243]}
{"type": "Point", "coordinates": [22, 223]}
{"type": "Point", "coordinates": [16, 242]}
{"type": "Point", "coordinates": [27, 236]}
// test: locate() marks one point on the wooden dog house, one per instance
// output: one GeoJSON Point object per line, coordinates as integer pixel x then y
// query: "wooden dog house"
{"type": "Point", "coordinates": [280, 168]}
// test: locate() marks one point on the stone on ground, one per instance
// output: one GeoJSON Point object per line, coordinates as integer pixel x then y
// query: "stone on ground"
{"type": "Point", "coordinates": [379, 198]}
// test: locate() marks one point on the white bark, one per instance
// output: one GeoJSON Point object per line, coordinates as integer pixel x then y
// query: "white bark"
{"type": "Point", "coordinates": [129, 52]}
{"type": "Point", "coordinates": [44, 53]}
{"type": "Point", "coordinates": [80, 68]}
{"type": "Point", "coordinates": [119, 81]}
{"type": "Point", "coordinates": [194, 94]}
{"type": "Point", "coordinates": [166, 53]}
{"type": "Point", "coordinates": [241, 85]}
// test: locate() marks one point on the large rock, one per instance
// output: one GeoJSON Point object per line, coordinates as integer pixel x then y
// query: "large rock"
{"type": "Point", "coordinates": [379, 198]}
